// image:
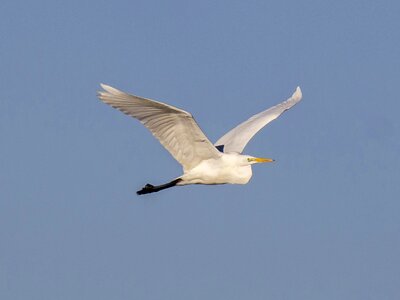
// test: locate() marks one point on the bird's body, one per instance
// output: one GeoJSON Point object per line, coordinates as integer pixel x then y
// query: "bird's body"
{"type": "Point", "coordinates": [228, 168]}
{"type": "Point", "coordinates": [178, 132]}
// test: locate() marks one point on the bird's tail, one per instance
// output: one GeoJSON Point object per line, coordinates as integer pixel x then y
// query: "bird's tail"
{"type": "Point", "coordinates": [149, 188]}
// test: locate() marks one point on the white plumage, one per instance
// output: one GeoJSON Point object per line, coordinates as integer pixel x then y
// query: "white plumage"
{"type": "Point", "coordinates": [179, 133]}
{"type": "Point", "coordinates": [237, 138]}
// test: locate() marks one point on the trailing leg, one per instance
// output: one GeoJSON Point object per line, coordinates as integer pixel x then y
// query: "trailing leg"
{"type": "Point", "coordinates": [148, 188]}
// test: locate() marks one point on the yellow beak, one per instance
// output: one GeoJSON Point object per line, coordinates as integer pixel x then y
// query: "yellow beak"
{"type": "Point", "coordinates": [263, 160]}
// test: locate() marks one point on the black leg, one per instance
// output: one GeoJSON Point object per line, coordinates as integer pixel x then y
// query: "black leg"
{"type": "Point", "coordinates": [149, 188]}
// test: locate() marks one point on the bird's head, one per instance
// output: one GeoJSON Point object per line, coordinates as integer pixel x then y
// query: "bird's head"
{"type": "Point", "coordinates": [254, 160]}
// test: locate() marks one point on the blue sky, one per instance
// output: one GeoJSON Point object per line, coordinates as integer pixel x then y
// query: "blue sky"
{"type": "Point", "coordinates": [320, 223]}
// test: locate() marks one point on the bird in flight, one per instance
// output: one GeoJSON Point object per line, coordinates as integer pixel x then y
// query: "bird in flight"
{"type": "Point", "coordinates": [178, 132]}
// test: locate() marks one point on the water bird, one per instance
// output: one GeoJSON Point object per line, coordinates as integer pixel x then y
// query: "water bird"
{"type": "Point", "coordinates": [177, 130]}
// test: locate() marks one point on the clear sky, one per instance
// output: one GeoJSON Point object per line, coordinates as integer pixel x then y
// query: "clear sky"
{"type": "Point", "coordinates": [320, 223]}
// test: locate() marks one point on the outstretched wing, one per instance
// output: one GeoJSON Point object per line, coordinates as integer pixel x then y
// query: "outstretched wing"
{"type": "Point", "coordinates": [176, 129]}
{"type": "Point", "coordinates": [236, 139]}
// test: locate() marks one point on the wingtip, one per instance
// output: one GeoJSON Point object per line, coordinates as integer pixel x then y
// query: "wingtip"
{"type": "Point", "coordinates": [106, 87]}
{"type": "Point", "coordinates": [297, 95]}
{"type": "Point", "coordinates": [101, 93]}
{"type": "Point", "coordinates": [109, 89]}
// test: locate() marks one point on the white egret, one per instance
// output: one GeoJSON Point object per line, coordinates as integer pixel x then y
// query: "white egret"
{"type": "Point", "coordinates": [178, 132]}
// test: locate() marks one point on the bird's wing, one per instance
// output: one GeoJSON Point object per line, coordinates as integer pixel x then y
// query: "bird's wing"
{"type": "Point", "coordinates": [236, 139]}
{"type": "Point", "coordinates": [176, 129]}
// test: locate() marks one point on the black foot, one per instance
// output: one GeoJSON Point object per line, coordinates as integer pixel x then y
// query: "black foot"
{"type": "Point", "coordinates": [148, 188]}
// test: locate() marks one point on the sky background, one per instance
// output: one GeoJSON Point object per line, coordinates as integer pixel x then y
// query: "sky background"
{"type": "Point", "coordinates": [320, 223]}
